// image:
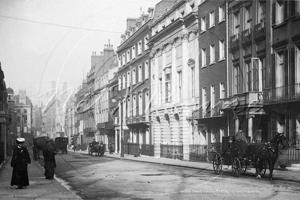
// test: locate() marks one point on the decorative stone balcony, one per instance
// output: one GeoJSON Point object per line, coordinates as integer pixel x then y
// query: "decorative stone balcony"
{"type": "Point", "coordinates": [246, 37]}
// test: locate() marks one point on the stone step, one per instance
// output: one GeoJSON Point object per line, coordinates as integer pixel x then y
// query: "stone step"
{"type": "Point", "coordinates": [296, 165]}
{"type": "Point", "coordinates": [293, 168]}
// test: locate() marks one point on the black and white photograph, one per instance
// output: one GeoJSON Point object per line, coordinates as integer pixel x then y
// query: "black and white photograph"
{"type": "Point", "coordinates": [149, 99]}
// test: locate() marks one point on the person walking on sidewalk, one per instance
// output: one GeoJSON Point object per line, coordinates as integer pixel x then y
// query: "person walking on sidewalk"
{"type": "Point", "coordinates": [19, 161]}
{"type": "Point", "coordinates": [49, 152]}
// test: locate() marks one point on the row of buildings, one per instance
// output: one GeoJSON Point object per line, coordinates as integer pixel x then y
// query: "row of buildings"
{"type": "Point", "coordinates": [188, 73]}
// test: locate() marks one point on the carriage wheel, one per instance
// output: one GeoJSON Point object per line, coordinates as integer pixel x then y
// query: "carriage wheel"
{"type": "Point", "coordinates": [217, 163]}
{"type": "Point", "coordinates": [236, 167]}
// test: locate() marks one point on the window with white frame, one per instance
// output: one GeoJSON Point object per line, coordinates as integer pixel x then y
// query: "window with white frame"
{"type": "Point", "coordinates": [124, 81]}
{"type": "Point", "coordinates": [262, 63]}
{"type": "Point", "coordinates": [134, 105]}
{"type": "Point", "coordinates": [119, 62]}
{"type": "Point", "coordinates": [203, 24]}
{"type": "Point", "coordinates": [141, 104]}
{"type": "Point", "coordinates": [139, 47]}
{"type": "Point", "coordinates": [279, 70]}
{"type": "Point", "coordinates": [212, 54]}
{"type": "Point", "coordinates": [248, 17]}
{"type": "Point", "coordinates": [160, 91]}
{"type": "Point", "coordinates": [249, 76]}
{"type": "Point", "coordinates": [123, 59]}
{"type": "Point", "coordinates": [222, 90]}
{"type": "Point", "coordinates": [297, 7]}
{"type": "Point", "coordinates": [140, 77]}
{"type": "Point", "coordinates": [120, 83]}
{"type": "Point", "coordinates": [133, 76]}
{"type": "Point", "coordinates": [212, 96]}
{"type": "Point", "coordinates": [236, 22]}
{"type": "Point", "coordinates": [168, 88]}
{"type": "Point", "coordinates": [221, 13]}
{"type": "Point", "coordinates": [133, 52]}
{"type": "Point", "coordinates": [261, 15]}
{"type": "Point", "coordinates": [128, 56]}
{"type": "Point", "coordinates": [146, 68]}
{"type": "Point", "coordinates": [129, 114]}
{"type": "Point", "coordinates": [279, 11]}
{"type": "Point", "coordinates": [147, 103]}
{"type": "Point", "coordinates": [212, 19]}
{"type": "Point", "coordinates": [236, 71]}
{"type": "Point", "coordinates": [128, 79]}
{"type": "Point", "coordinates": [146, 42]}
{"type": "Point", "coordinates": [297, 70]}
{"type": "Point", "coordinates": [203, 57]}
{"type": "Point", "coordinates": [180, 84]}
{"type": "Point", "coordinates": [221, 49]}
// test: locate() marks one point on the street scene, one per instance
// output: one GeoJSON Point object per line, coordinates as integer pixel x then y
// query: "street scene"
{"type": "Point", "coordinates": [150, 99]}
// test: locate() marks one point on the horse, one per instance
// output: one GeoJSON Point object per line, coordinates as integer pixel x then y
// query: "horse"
{"type": "Point", "coordinates": [267, 152]}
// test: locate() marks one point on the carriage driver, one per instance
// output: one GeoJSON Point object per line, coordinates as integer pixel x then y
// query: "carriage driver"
{"type": "Point", "coordinates": [94, 143]}
{"type": "Point", "coordinates": [240, 136]}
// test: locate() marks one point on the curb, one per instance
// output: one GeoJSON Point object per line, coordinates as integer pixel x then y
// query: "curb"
{"type": "Point", "coordinates": [4, 162]}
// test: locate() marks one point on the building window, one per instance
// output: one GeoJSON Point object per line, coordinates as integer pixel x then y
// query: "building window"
{"type": "Point", "coordinates": [127, 109]}
{"type": "Point", "coordinates": [204, 100]}
{"type": "Point", "coordinates": [203, 24]}
{"type": "Point", "coordinates": [261, 12]}
{"type": "Point", "coordinates": [279, 12]}
{"type": "Point", "coordinates": [128, 79]}
{"type": "Point", "coordinates": [133, 52]}
{"type": "Point", "coordinates": [128, 56]}
{"type": "Point", "coordinates": [123, 59]}
{"type": "Point", "coordinates": [222, 90]}
{"type": "Point", "coordinates": [124, 81]}
{"type": "Point", "coordinates": [140, 74]}
{"type": "Point", "coordinates": [193, 82]}
{"type": "Point", "coordinates": [146, 42]}
{"type": "Point", "coordinates": [236, 80]}
{"type": "Point", "coordinates": [146, 70]}
{"type": "Point", "coordinates": [133, 76]}
{"type": "Point", "coordinates": [236, 22]}
{"type": "Point", "coordinates": [203, 57]}
{"type": "Point", "coordinates": [263, 71]}
{"type": "Point", "coordinates": [120, 84]}
{"type": "Point", "coordinates": [221, 49]}
{"type": "Point", "coordinates": [160, 91]}
{"type": "Point", "coordinates": [168, 87]}
{"type": "Point", "coordinates": [140, 104]}
{"type": "Point", "coordinates": [212, 96]}
{"type": "Point", "coordinates": [212, 53]}
{"type": "Point", "coordinates": [297, 7]}
{"type": "Point", "coordinates": [211, 19]}
{"type": "Point", "coordinates": [255, 74]}
{"type": "Point", "coordinates": [279, 71]}
{"type": "Point", "coordinates": [248, 17]}
{"type": "Point", "coordinates": [221, 13]}
{"type": "Point", "coordinates": [249, 77]}
{"type": "Point", "coordinates": [180, 84]}
{"type": "Point", "coordinates": [139, 47]}
{"type": "Point", "coordinates": [147, 100]}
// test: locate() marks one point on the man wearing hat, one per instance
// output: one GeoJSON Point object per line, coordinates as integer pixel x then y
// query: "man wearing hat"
{"type": "Point", "coordinates": [49, 152]}
{"type": "Point", "coordinates": [19, 162]}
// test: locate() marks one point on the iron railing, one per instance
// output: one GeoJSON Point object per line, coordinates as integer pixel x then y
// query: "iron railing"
{"type": "Point", "coordinates": [147, 149]}
{"type": "Point", "coordinates": [132, 148]}
{"type": "Point", "coordinates": [198, 152]}
{"type": "Point", "coordinates": [171, 151]}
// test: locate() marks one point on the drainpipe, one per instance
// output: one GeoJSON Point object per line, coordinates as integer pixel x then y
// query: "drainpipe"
{"type": "Point", "coordinates": [227, 55]}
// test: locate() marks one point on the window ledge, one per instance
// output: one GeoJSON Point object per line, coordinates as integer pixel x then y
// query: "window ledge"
{"type": "Point", "coordinates": [212, 26]}
{"type": "Point", "coordinates": [280, 24]}
{"type": "Point", "coordinates": [222, 59]}
{"type": "Point", "coordinates": [223, 20]}
{"type": "Point", "coordinates": [202, 31]}
{"type": "Point", "coordinates": [296, 17]}
{"type": "Point", "coordinates": [204, 66]}
{"type": "Point", "coordinates": [212, 63]}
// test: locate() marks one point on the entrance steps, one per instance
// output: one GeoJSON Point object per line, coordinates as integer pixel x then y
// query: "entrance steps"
{"type": "Point", "coordinates": [294, 167]}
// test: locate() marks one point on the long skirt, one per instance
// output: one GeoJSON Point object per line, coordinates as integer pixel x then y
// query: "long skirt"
{"type": "Point", "coordinates": [19, 177]}
{"type": "Point", "coordinates": [49, 169]}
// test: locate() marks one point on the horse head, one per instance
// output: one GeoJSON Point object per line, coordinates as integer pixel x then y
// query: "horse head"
{"type": "Point", "coordinates": [281, 140]}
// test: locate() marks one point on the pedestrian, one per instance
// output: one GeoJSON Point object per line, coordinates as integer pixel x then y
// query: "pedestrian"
{"type": "Point", "coordinates": [49, 152]}
{"type": "Point", "coordinates": [19, 161]}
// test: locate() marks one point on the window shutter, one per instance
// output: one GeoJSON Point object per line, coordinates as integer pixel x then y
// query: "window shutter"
{"type": "Point", "coordinates": [273, 13]}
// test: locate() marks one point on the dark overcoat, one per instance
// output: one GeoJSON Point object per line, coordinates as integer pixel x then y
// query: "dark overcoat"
{"type": "Point", "coordinates": [49, 152]}
{"type": "Point", "coordinates": [19, 162]}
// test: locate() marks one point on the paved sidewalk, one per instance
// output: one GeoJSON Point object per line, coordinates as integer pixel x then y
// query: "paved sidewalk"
{"type": "Point", "coordinates": [277, 173]}
{"type": "Point", "coordinates": [39, 188]}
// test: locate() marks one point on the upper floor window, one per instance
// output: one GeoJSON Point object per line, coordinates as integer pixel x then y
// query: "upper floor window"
{"type": "Point", "coordinates": [123, 59]}
{"type": "Point", "coordinates": [297, 7]}
{"type": "Point", "coordinates": [203, 24]}
{"type": "Point", "coordinates": [193, 81]}
{"type": "Point", "coordinates": [124, 81]}
{"type": "Point", "coordinates": [146, 70]}
{"type": "Point", "coordinates": [203, 57]}
{"type": "Point", "coordinates": [180, 84]}
{"type": "Point", "coordinates": [128, 56]}
{"type": "Point", "coordinates": [211, 19]}
{"type": "Point", "coordinates": [279, 11]}
{"type": "Point", "coordinates": [236, 22]}
{"type": "Point", "coordinates": [168, 86]}
{"type": "Point", "coordinates": [236, 74]}
{"type": "Point", "coordinates": [145, 42]}
{"type": "Point", "coordinates": [140, 77]}
{"type": "Point", "coordinates": [261, 15]}
{"type": "Point", "coordinates": [140, 104]}
{"type": "Point", "coordinates": [221, 13]}
{"type": "Point", "coordinates": [248, 17]}
{"type": "Point", "coordinates": [139, 47]}
{"type": "Point", "coordinates": [212, 96]}
{"type": "Point", "coordinates": [133, 52]}
{"type": "Point", "coordinates": [120, 84]}
{"type": "Point", "coordinates": [128, 79]}
{"type": "Point", "coordinates": [222, 90]}
{"type": "Point", "coordinates": [133, 77]}
{"type": "Point", "coordinates": [212, 54]}
{"type": "Point", "coordinates": [221, 49]}
{"type": "Point", "coordinates": [204, 98]}
{"type": "Point", "coordinates": [249, 76]}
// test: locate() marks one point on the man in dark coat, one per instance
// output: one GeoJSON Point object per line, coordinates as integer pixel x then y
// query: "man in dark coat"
{"type": "Point", "coordinates": [19, 162]}
{"type": "Point", "coordinates": [49, 152]}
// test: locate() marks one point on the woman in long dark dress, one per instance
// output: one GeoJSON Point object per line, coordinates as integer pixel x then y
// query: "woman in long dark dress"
{"type": "Point", "coordinates": [19, 162]}
{"type": "Point", "coordinates": [49, 152]}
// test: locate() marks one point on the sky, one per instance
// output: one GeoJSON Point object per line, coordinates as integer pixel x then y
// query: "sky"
{"type": "Point", "coordinates": [52, 40]}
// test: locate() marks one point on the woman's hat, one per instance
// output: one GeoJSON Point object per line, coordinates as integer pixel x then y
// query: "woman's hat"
{"type": "Point", "coordinates": [20, 140]}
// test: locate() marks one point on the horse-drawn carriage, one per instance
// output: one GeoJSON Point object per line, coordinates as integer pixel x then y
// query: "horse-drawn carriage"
{"type": "Point", "coordinates": [38, 143]}
{"type": "Point", "coordinates": [96, 147]}
{"type": "Point", "coordinates": [61, 144]}
{"type": "Point", "coordinates": [241, 155]}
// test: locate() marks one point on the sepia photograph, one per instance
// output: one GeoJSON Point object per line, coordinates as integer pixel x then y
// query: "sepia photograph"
{"type": "Point", "coordinates": [149, 99]}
